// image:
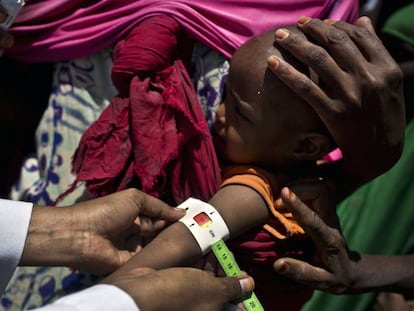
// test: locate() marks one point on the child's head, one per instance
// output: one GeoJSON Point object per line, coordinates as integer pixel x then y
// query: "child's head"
{"type": "Point", "coordinates": [261, 120]}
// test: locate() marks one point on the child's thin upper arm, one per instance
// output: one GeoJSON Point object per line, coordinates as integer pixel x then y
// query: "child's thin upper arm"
{"type": "Point", "coordinates": [241, 207]}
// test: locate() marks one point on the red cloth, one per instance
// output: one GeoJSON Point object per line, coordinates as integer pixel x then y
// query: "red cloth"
{"type": "Point", "coordinates": [153, 135]}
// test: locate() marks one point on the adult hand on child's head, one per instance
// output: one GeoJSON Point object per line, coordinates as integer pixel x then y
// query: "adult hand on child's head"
{"type": "Point", "coordinates": [179, 288]}
{"type": "Point", "coordinates": [97, 235]}
{"type": "Point", "coordinates": [359, 94]}
{"type": "Point", "coordinates": [335, 273]}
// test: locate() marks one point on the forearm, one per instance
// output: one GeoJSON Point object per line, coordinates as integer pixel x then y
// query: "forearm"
{"type": "Point", "coordinates": [241, 208]}
{"type": "Point", "coordinates": [384, 273]}
{"type": "Point", "coordinates": [53, 238]}
{"type": "Point", "coordinates": [173, 247]}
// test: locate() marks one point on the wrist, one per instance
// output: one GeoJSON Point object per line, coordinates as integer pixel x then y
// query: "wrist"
{"type": "Point", "coordinates": [54, 238]}
{"type": "Point", "coordinates": [363, 275]}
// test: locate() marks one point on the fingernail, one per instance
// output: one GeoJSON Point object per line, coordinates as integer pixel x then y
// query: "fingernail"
{"type": "Point", "coordinates": [246, 284]}
{"type": "Point", "coordinates": [278, 202]}
{"type": "Point", "coordinates": [7, 41]}
{"type": "Point", "coordinates": [181, 210]}
{"type": "Point", "coordinates": [303, 20]}
{"type": "Point", "coordinates": [282, 34]}
{"type": "Point", "coordinates": [283, 268]}
{"type": "Point", "coordinates": [291, 194]}
{"type": "Point", "coordinates": [273, 62]}
{"type": "Point", "coordinates": [328, 21]}
{"type": "Point", "coordinates": [3, 17]}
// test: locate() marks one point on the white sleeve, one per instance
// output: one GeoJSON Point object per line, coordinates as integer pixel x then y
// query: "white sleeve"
{"type": "Point", "coordinates": [14, 223]}
{"type": "Point", "coordinates": [100, 297]}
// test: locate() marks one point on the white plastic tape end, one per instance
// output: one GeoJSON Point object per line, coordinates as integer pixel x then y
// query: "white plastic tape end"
{"type": "Point", "coordinates": [204, 222]}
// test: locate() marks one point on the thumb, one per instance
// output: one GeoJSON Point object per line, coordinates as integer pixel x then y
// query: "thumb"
{"type": "Point", "coordinates": [301, 272]}
{"type": "Point", "coordinates": [289, 268]}
{"type": "Point", "coordinates": [237, 287]}
{"type": "Point", "coordinates": [365, 21]}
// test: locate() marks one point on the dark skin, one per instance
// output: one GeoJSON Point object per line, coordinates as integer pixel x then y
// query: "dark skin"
{"type": "Point", "coordinates": [403, 53]}
{"type": "Point", "coordinates": [101, 234]}
{"type": "Point", "coordinates": [179, 288]}
{"type": "Point", "coordinates": [330, 101]}
{"type": "Point", "coordinates": [338, 110]}
{"type": "Point", "coordinates": [339, 271]}
{"type": "Point", "coordinates": [97, 235]}
{"type": "Point", "coordinates": [184, 251]}
{"type": "Point", "coordinates": [258, 129]}
{"type": "Point", "coordinates": [89, 237]}
{"type": "Point", "coordinates": [358, 86]}
{"type": "Point", "coordinates": [373, 89]}
{"type": "Point", "coordinates": [261, 121]}
{"type": "Point", "coordinates": [364, 118]}
{"type": "Point", "coordinates": [360, 98]}
{"type": "Point", "coordinates": [343, 101]}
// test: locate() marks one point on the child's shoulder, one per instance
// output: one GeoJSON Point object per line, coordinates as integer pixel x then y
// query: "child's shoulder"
{"type": "Point", "coordinates": [254, 177]}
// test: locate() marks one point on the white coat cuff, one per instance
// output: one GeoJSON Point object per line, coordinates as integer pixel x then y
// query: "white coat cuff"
{"type": "Point", "coordinates": [100, 297]}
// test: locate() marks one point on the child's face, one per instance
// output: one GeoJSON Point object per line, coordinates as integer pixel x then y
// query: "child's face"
{"type": "Point", "coordinates": [260, 119]}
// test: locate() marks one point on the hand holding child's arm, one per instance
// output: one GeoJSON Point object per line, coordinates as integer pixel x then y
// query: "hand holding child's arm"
{"type": "Point", "coordinates": [241, 208]}
{"type": "Point", "coordinates": [97, 235]}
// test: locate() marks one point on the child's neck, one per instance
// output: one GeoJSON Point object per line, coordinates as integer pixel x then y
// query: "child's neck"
{"type": "Point", "coordinates": [302, 169]}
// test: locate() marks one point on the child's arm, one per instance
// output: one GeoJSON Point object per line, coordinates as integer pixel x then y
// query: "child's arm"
{"type": "Point", "coordinates": [241, 208]}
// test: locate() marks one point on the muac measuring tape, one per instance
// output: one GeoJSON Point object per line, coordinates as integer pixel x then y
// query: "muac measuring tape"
{"type": "Point", "coordinates": [210, 230]}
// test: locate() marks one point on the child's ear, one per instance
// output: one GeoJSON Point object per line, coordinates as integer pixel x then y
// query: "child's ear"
{"type": "Point", "coordinates": [312, 146]}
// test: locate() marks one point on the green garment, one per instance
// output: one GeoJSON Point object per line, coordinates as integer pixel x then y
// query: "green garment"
{"type": "Point", "coordinates": [401, 24]}
{"type": "Point", "coordinates": [377, 219]}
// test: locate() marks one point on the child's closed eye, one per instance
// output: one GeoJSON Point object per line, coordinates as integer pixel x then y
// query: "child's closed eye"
{"type": "Point", "coordinates": [244, 109]}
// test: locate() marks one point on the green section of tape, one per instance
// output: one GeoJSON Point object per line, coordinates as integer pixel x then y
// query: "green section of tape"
{"type": "Point", "coordinates": [231, 268]}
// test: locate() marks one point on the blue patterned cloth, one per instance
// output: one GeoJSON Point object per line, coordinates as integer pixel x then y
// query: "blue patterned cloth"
{"type": "Point", "coordinates": [81, 90]}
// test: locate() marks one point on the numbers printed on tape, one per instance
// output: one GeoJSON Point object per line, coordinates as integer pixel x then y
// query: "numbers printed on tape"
{"type": "Point", "coordinates": [209, 230]}
{"type": "Point", "coordinates": [231, 268]}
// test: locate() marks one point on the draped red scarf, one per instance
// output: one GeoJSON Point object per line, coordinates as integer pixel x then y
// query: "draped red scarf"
{"type": "Point", "coordinates": [153, 135]}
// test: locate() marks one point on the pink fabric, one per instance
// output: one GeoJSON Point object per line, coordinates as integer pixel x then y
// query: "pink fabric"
{"type": "Point", "coordinates": [52, 30]}
{"type": "Point", "coordinates": [333, 156]}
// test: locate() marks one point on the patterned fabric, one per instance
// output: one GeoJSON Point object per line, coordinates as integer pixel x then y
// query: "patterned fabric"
{"type": "Point", "coordinates": [81, 89]}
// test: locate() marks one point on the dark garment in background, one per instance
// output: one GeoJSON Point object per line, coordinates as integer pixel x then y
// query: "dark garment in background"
{"type": "Point", "coordinates": [24, 93]}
